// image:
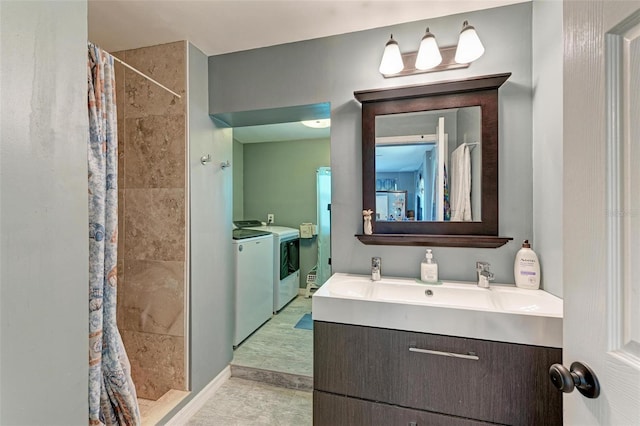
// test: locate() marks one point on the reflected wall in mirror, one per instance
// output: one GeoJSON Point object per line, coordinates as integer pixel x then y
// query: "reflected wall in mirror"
{"type": "Point", "coordinates": [428, 165]}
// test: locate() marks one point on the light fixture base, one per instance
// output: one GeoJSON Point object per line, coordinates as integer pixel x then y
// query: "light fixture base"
{"type": "Point", "coordinates": [448, 63]}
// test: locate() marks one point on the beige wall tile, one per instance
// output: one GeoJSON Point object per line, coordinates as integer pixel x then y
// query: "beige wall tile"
{"type": "Point", "coordinates": [155, 297]}
{"type": "Point", "coordinates": [157, 362]}
{"type": "Point", "coordinates": [165, 63]}
{"type": "Point", "coordinates": [119, 69]}
{"type": "Point", "coordinates": [121, 296]}
{"type": "Point", "coordinates": [121, 238]}
{"type": "Point", "coordinates": [151, 197]}
{"type": "Point", "coordinates": [154, 224]}
{"type": "Point", "coordinates": [155, 152]}
{"type": "Point", "coordinates": [120, 73]}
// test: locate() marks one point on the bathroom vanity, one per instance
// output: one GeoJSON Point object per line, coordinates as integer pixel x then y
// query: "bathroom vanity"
{"type": "Point", "coordinates": [396, 352]}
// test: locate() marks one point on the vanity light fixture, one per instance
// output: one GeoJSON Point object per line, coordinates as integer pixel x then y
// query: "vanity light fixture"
{"type": "Point", "coordinates": [430, 57]}
{"type": "Point", "coordinates": [321, 123]}
{"type": "Point", "coordinates": [391, 58]}
{"type": "Point", "coordinates": [470, 47]}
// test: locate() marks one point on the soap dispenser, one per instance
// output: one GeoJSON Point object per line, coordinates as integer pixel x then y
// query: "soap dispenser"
{"type": "Point", "coordinates": [429, 269]}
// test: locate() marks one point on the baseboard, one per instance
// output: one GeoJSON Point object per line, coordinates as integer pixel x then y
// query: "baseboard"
{"type": "Point", "coordinates": [303, 291]}
{"type": "Point", "coordinates": [198, 401]}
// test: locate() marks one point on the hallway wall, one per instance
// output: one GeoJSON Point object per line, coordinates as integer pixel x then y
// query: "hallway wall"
{"type": "Point", "coordinates": [44, 246]}
{"type": "Point", "coordinates": [280, 178]}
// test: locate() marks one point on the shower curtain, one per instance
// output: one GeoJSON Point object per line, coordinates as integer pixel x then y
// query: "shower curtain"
{"type": "Point", "coordinates": [112, 395]}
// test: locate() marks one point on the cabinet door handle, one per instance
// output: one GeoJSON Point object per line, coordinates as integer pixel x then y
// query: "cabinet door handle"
{"type": "Point", "coordinates": [471, 355]}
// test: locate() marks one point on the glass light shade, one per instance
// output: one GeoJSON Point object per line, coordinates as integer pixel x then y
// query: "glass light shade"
{"type": "Point", "coordinates": [321, 123]}
{"type": "Point", "coordinates": [429, 53]}
{"type": "Point", "coordinates": [391, 58]}
{"type": "Point", "coordinates": [469, 47]}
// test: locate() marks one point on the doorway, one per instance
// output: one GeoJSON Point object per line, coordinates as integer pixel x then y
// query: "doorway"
{"type": "Point", "coordinates": [281, 177]}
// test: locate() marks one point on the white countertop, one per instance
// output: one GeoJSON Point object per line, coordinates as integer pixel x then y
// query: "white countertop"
{"type": "Point", "coordinates": [502, 313]}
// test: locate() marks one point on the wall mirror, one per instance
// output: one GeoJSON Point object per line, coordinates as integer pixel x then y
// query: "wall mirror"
{"type": "Point", "coordinates": [430, 163]}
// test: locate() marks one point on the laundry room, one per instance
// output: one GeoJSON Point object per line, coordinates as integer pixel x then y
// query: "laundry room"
{"type": "Point", "coordinates": [281, 237]}
{"type": "Point", "coordinates": [277, 171]}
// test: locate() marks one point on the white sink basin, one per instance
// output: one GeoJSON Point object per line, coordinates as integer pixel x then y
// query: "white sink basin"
{"type": "Point", "coordinates": [501, 313]}
{"type": "Point", "coordinates": [449, 294]}
{"type": "Point", "coordinates": [535, 302]}
{"type": "Point", "coordinates": [351, 287]}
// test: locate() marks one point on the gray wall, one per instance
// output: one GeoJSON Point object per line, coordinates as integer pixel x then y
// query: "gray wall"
{"type": "Point", "coordinates": [330, 69]}
{"type": "Point", "coordinates": [43, 227]}
{"type": "Point", "coordinates": [211, 291]}
{"type": "Point", "coordinates": [238, 180]}
{"type": "Point", "coordinates": [547, 142]}
{"type": "Point", "coordinates": [280, 178]}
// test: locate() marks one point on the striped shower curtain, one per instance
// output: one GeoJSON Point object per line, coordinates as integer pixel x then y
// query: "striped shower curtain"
{"type": "Point", "coordinates": [112, 395]}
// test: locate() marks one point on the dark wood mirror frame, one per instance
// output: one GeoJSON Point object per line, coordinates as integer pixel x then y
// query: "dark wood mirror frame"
{"type": "Point", "coordinates": [476, 91]}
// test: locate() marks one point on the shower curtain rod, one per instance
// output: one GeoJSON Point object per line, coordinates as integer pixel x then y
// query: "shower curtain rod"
{"type": "Point", "coordinates": [144, 75]}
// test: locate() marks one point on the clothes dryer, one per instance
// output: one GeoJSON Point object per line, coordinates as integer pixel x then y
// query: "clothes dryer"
{"type": "Point", "coordinates": [286, 260]}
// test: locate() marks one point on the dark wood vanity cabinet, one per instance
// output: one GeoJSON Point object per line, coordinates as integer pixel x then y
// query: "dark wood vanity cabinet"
{"type": "Point", "coordinates": [375, 376]}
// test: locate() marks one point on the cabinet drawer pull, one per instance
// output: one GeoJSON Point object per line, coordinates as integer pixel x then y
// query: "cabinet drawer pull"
{"type": "Point", "coordinates": [449, 354]}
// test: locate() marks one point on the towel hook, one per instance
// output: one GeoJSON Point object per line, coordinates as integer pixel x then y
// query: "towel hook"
{"type": "Point", "coordinates": [205, 159]}
{"type": "Point", "coordinates": [225, 164]}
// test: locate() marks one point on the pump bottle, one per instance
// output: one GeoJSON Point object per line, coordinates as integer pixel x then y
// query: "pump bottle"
{"type": "Point", "coordinates": [526, 268]}
{"type": "Point", "coordinates": [429, 269]}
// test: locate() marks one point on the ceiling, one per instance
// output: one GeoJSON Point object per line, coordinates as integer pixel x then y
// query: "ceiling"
{"type": "Point", "coordinates": [278, 133]}
{"type": "Point", "coordinates": [401, 158]}
{"type": "Point", "coordinates": [223, 26]}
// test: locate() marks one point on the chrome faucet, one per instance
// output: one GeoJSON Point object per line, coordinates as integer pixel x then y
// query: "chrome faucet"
{"type": "Point", "coordinates": [376, 269]}
{"type": "Point", "coordinates": [484, 274]}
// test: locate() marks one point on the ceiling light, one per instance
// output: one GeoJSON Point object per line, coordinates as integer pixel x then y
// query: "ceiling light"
{"type": "Point", "coordinates": [428, 54]}
{"type": "Point", "coordinates": [470, 47]}
{"type": "Point", "coordinates": [317, 124]}
{"type": "Point", "coordinates": [391, 58]}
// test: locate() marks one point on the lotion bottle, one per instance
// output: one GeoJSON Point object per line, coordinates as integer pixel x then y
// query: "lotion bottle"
{"type": "Point", "coordinates": [429, 269]}
{"type": "Point", "coordinates": [526, 268]}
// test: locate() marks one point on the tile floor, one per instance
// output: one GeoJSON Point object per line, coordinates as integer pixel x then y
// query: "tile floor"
{"type": "Point", "coordinates": [241, 402]}
{"type": "Point", "coordinates": [277, 345]}
{"type": "Point", "coordinates": [151, 412]}
{"type": "Point", "coordinates": [278, 360]}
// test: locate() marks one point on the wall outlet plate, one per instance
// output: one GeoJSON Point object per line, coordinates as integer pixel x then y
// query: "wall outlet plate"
{"type": "Point", "coordinates": [271, 218]}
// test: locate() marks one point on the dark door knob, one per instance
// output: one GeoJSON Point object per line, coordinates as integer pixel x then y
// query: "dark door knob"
{"type": "Point", "coordinates": [579, 376]}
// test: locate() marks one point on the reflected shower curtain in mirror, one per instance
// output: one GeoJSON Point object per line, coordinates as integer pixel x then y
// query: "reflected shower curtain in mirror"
{"type": "Point", "coordinates": [112, 394]}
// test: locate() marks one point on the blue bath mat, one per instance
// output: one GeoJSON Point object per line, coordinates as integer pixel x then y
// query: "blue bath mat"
{"type": "Point", "coordinates": [305, 323]}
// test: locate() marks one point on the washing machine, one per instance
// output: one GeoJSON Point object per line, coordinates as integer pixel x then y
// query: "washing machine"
{"type": "Point", "coordinates": [286, 260]}
{"type": "Point", "coordinates": [253, 260]}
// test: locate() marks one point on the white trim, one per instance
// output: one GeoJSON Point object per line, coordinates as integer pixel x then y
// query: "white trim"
{"type": "Point", "coordinates": [407, 140]}
{"type": "Point", "coordinates": [614, 185]}
{"type": "Point", "coordinates": [198, 401]}
{"type": "Point", "coordinates": [187, 221]}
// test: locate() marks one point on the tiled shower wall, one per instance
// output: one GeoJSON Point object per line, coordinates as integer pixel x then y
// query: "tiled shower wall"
{"type": "Point", "coordinates": [152, 210]}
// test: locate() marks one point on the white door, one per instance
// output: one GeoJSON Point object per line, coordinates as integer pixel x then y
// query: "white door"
{"type": "Point", "coordinates": [601, 210]}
